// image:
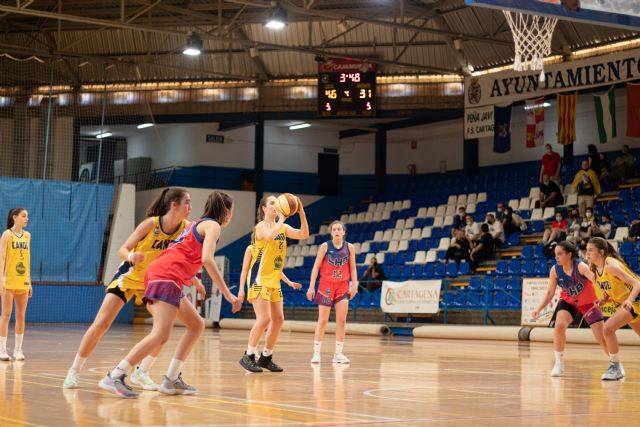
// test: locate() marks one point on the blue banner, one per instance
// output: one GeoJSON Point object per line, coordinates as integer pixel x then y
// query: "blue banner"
{"type": "Point", "coordinates": [502, 129]}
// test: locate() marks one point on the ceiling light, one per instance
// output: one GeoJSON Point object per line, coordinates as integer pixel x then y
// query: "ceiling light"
{"type": "Point", "coordinates": [194, 45]}
{"type": "Point", "coordinates": [103, 135]}
{"type": "Point", "coordinates": [145, 125]}
{"type": "Point", "coordinates": [299, 126]}
{"type": "Point", "coordinates": [277, 18]}
{"type": "Point", "coordinates": [534, 106]}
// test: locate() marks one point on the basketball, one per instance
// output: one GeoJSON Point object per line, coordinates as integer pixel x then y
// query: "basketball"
{"type": "Point", "coordinates": [287, 203]}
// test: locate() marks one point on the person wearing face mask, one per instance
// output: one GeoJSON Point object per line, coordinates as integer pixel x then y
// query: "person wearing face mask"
{"type": "Point", "coordinates": [587, 222]}
{"type": "Point", "coordinates": [587, 186]}
{"type": "Point", "coordinates": [472, 230]}
{"type": "Point", "coordinates": [500, 212]}
{"type": "Point", "coordinates": [557, 232]}
{"type": "Point", "coordinates": [550, 165]}
{"type": "Point", "coordinates": [459, 221]}
{"type": "Point", "coordinates": [550, 194]}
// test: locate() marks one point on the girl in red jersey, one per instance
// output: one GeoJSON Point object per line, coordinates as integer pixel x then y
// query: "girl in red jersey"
{"type": "Point", "coordinates": [336, 261]}
{"type": "Point", "coordinates": [577, 296]}
{"type": "Point", "coordinates": [163, 282]}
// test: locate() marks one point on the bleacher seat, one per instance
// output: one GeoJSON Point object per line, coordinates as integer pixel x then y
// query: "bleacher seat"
{"type": "Point", "coordinates": [548, 213]}
{"type": "Point", "coordinates": [445, 242]}
{"type": "Point", "coordinates": [527, 252]}
{"type": "Point", "coordinates": [451, 210]}
{"type": "Point", "coordinates": [499, 300]}
{"type": "Point", "coordinates": [534, 193]}
{"type": "Point", "coordinates": [502, 268]}
{"type": "Point", "coordinates": [426, 232]}
{"type": "Point", "coordinates": [452, 200]}
{"type": "Point", "coordinates": [440, 270]}
{"type": "Point", "coordinates": [441, 211]}
{"type": "Point", "coordinates": [393, 246]}
{"type": "Point", "coordinates": [406, 234]}
{"type": "Point", "coordinates": [416, 234]}
{"type": "Point", "coordinates": [514, 203]}
{"type": "Point", "coordinates": [471, 208]}
{"type": "Point", "coordinates": [403, 246]}
{"type": "Point", "coordinates": [431, 212]}
{"type": "Point", "coordinates": [464, 269]}
{"type": "Point", "coordinates": [368, 217]}
{"type": "Point", "coordinates": [536, 214]}
{"type": "Point", "coordinates": [542, 268]}
{"type": "Point", "coordinates": [447, 299]}
{"type": "Point", "coordinates": [621, 234]}
{"type": "Point", "coordinates": [397, 205]}
{"type": "Point", "coordinates": [420, 258]}
{"type": "Point", "coordinates": [432, 255]}
{"type": "Point", "coordinates": [482, 197]}
{"type": "Point", "coordinates": [524, 204]}
{"type": "Point", "coordinates": [626, 249]}
{"type": "Point", "coordinates": [475, 283]}
{"type": "Point", "coordinates": [472, 199]}
{"type": "Point", "coordinates": [448, 220]}
{"type": "Point", "coordinates": [360, 217]}
{"type": "Point", "coordinates": [572, 200]}
{"type": "Point", "coordinates": [460, 299]}
{"type": "Point", "coordinates": [299, 262]}
{"type": "Point", "coordinates": [422, 212]}
{"type": "Point", "coordinates": [396, 235]}
{"type": "Point", "coordinates": [529, 267]}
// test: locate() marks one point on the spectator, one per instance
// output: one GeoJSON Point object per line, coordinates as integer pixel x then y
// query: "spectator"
{"type": "Point", "coordinates": [459, 247]}
{"type": "Point", "coordinates": [550, 194]}
{"type": "Point", "coordinates": [496, 229]}
{"type": "Point", "coordinates": [587, 186]}
{"type": "Point", "coordinates": [586, 224]}
{"type": "Point", "coordinates": [558, 230]}
{"type": "Point", "coordinates": [550, 165]}
{"type": "Point", "coordinates": [573, 230]}
{"type": "Point", "coordinates": [625, 165]}
{"type": "Point", "coordinates": [512, 222]}
{"type": "Point", "coordinates": [373, 276]}
{"type": "Point", "coordinates": [593, 157]}
{"type": "Point", "coordinates": [605, 226]}
{"type": "Point", "coordinates": [500, 211]}
{"type": "Point", "coordinates": [459, 220]}
{"type": "Point", "coordinates": [472, 230]}
{"type": "Point", "coordinates": [484, 248]}
{"type": "Point", "coordinates": [605, 168]}
{"type": "Point", "coordinates": [634, 230]}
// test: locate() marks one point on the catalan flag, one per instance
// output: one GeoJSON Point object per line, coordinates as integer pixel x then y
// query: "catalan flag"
{"type": "Point", "coordinates": [567, 118]}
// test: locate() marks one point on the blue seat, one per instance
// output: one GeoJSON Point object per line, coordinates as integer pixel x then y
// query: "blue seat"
{"type": "Point", "coordinates": [428, 271]}
{"type": "Point", "coordinates": [475, 283]}
{"type": "Point", "coordinates": [514, 284]}
{"type": "Point", "coordinates": [440, 270]}
{"type": "Point", "coordinates": [632, 262]}
{"type": "Point", "coordinates": [452, 269]}
{"type": "Point", "coordinates": [499, 284]}
{"type": "Point", "coordinates": [529, 268]}
{"type": "Point", "coordinates": [464, 269]}
{"type": "Point", "coordinates": [406, 272]}
{"type": "Point", "coordinates": [626, 249]}
{"type": "Point", "coordinates": [537, 226]}
{"type": "Point", "coordinates": [514, 299]}
{"type": "Point", "coordinates": [513, 239]}
{"type": "Point", "coordinates": [499, 300]}
{"type": "Point", "coordinates": [542, 268]}
{"type": "Point", "coordinates": [502, 268]}
{"type": "Point", "coordinates": [417, 271]}
{"type": "Point", "coordinates": [474, 299]}
{"type": "Point", "coordinates": [527, 252]}
{"type": "Point", "coordinates": [441, 255]}
{"type": "Point", "coordinates": [539, 252]}
{"type": "Point", "coordinates": [460, 299]}
{"type": "Point", "coordinates": [423, 245]}
{"type": "Point", "coordinates": [447, 299]}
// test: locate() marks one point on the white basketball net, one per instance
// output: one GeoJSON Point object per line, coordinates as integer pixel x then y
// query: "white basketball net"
{"type": "Point", "coordinates": [532, 35]}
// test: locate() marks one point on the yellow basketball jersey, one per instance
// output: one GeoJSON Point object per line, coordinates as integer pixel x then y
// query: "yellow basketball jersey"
{"type": "Point", "coordinates": [17, 267]}
{"type": "Point", "coordinates": [132, 277]}
{"type": "Point", "coordinates": [268, 260]}
{"type": "Point", "coordinates": [617, 289]}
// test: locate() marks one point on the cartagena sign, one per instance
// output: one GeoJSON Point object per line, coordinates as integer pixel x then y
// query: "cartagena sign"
{"type": "Point", "coordinates": [413, 296]}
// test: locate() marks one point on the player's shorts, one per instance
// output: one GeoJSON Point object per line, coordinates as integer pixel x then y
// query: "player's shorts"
{"type": "Point", "coordinates": [266, 293]}
{"type": "Point", "coordinates": [635, 311]}
{"type": "Point", "coordinates": [163, 290]}
{"type": "Point", "coordinates": [330, 293]}
{"type": "Point", "coordinates": [590, 312]}
{"type": "Point", "coordinates": [124, 293]}
{"type": "Point", "coordinates": [20, 291]}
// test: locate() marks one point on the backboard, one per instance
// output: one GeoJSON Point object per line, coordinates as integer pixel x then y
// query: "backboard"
{"type": "Point", "coordinates": [609, 13]}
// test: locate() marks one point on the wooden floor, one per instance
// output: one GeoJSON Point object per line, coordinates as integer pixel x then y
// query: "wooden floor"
{"type": "Point", "coordinates": [391, 381]}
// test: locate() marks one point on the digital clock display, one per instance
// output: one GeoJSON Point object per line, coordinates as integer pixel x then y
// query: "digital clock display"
{"type": "Point", "coordinates": [346, 89]}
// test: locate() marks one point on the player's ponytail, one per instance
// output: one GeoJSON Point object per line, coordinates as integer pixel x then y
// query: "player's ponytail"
{"type": "Point", "coordinates": [218, 206]}
{"type": "Point", "coordinates": [13, 212]}
{"type": "Point", "coordinates": [162, 204]}
{"type": "Point", "coordinates": [606, 249]}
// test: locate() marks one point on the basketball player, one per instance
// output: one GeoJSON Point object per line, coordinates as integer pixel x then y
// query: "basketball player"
{"type": "Point", "coordinates": [264, 294]}
{"type": "Point", "coordinates": [163, 283]}
{"type": "Point", "coordinates": [577, 295]}
{"type": "Point", "coordinates": [336, 261]}
{"type": "Point", "coordinates": [15, 279]}
{"type": "Point", "coordinates": [245, 278]}
{"type": "Point", "coordinates": [166, 219]}
{"type": "Point", "coordinates": [621, 286]}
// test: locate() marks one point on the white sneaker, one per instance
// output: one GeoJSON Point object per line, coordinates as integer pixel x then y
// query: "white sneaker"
{"type": "Point", "coordinates": [558, 369]}
{"type": "Point", "coordinates": [72, 379]}
{"type": "Point", "coordinates": [142, 379]}
{"type": "Point", "coordinates": [622, 370]}
{"type": "Point", "coordinates": [315, 358]}
{"type": "Point", "coordinates": [340, 358]}
{"type": "Point", "coordinates": [18, 355]}
{"type": "Point", "coordinates": [4, 356]}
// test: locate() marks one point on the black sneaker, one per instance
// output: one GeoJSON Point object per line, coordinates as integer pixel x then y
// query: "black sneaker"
{"type": "Point", "coordinates": [267, 363]}
{"type": "Point", "coordinates": [248, 362]}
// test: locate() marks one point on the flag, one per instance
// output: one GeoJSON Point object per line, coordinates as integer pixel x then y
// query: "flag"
{"type": "Point", "coordinates": [606, 115]}
{"type": "Point", "coordinates": [633, 110]}
{"type": "Point", "coordinates": [502, 129]}
{"type": "Point", "coordinates": [567, 118]}
{"type": "Point", "coordinates": [535, 122]}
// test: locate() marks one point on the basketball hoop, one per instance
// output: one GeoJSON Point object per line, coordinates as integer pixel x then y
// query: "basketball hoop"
{"type": "Point", "coordinates": [532, 35]}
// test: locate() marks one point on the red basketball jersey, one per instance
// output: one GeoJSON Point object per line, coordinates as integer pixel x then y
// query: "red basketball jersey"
{"type": "Point", "coordinates": [335, 265]}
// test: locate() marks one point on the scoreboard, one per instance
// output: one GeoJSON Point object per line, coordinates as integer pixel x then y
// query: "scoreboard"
{"type": "Point", "coordinates": [346, 89]}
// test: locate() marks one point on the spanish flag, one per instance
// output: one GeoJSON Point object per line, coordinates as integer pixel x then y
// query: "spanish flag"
{"type": "Point", "coordinates": [567, 118]}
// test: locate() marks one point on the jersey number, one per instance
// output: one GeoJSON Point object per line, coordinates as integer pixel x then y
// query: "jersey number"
{"type": "Point", "coordinates": [337, 274]}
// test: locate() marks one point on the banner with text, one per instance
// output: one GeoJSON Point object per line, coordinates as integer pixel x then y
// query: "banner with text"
{"type": "Point", "coordinates": [508, 86]}
{"type": "Point", "coordinates": [413, 296]}
{"type": "Point", "coordinates": [533, 292]}
{"type": "Point", "coordinates": [478, 122]}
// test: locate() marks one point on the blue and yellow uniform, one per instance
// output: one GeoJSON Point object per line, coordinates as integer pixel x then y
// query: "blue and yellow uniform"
{"type": "Point", "coordinates": [617, 289]}
{"type": "Point", "coordinates": [129, 279]}
{"type": "Point", "coordinates": [267, 262]}
{"type": "Point", "coordinates": [17, 266]}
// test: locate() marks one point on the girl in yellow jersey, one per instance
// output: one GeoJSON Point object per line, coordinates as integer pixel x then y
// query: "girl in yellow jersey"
{"type": "Point", "coordinates": [166, 218]}
{"type": "Point", "coordinates": [621, 286]}
{"type": "Point", "coordinates": [15, 278]}
{"type": "Point", "coordinates": [264, 294]}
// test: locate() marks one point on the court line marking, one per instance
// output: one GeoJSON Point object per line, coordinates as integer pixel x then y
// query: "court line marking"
{"type": "Point", "coordinates": [21, 422]}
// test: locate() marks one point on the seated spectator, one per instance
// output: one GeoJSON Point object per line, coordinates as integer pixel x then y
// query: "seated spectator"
{"type": "Point", "coordinates": [500, 211]}
{"type": "Point", "coordinates": [586, 223]}
{"type": "Point", "coordinates": [587, 186]}
{"type": "Point", "coordinates": [550, 194]}
{"type": "Point", "coordinates": [557, 232]}
{"type": "Point", "coordinates": [600, 230]}
{"type": "Point", "coordinates": [550, 165]}
{"type": "Point", "coordinates": [459, 247]}
{"type": "Point", "coordinates": [484, 249]}
{"type": "Point", "coordinates": [634, 230]}
{"type": "Point", "coordinates": [625, 165]}
{"type": "Point", "coordinates": [575, 223]}
{"type": "Point", "coordinates": [512, 222]}
{"type": "Point", "coordinates": [496, 229]}
{"type": "Point", "coordinates": [459, 220]}
{"type": "Point", "coordinates": [373, 276]}
{"type": "Point", "coordinates": [605, 168]}
{"type": "Point", "coordinates": [472, 230]}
